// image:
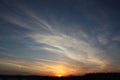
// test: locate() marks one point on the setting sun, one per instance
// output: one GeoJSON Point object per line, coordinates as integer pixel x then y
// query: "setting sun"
{"type": "Point", "coordinates": [60, 71]}
{"type": "Point", "coordinates": [59, 75]}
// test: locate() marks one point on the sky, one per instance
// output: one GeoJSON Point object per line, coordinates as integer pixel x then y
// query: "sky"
{"type": "Point", "coordinates": [59, 37]}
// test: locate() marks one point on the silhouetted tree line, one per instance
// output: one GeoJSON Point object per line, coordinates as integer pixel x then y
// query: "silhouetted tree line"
{"type": "Point", "coordinates": [92, 76]}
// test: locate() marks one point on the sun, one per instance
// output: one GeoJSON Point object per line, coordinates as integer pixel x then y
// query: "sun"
{"type": "Point", "coordinates": [59, 71]}
{"type": "Point", "coordinates": [59, 75]}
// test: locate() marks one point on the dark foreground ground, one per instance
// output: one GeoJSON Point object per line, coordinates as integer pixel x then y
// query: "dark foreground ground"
{"type": "Point", "coordinates": [95, 76]}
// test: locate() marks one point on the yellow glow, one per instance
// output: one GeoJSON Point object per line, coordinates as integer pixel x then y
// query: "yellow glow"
{"type": "Point", "coordinates": [59, 75]}
{"type": "Point", "coordinates": [60, 71]}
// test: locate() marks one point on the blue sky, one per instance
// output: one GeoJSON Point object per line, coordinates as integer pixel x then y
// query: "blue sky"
{"type": "Point", "coordinates": [44, 37]}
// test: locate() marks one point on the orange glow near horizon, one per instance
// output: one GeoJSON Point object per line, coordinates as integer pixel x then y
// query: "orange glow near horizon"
{"type": "Point", "coordinates": [59, 75]}
{"type": "Point", "coordinates": [60, 71]}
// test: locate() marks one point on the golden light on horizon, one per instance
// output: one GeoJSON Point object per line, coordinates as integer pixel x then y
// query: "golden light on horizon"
{"type": "Point", "coordinates": [59, 75]}
{"type": "Point", "coordinates": [60, 71]}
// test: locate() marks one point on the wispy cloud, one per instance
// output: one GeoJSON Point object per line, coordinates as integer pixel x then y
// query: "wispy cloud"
{"type": "Point", "coordinates": [79, 49]}
{"type": "Point", "coordinates": [116, 38]}
{"type": "Point", "coordinates": [56, 41]}
{"type": "Point", "coordinates": [70, 47]}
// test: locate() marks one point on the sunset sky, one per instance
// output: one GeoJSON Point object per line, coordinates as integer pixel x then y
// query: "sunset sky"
{"type": "Point", "coordinates": [59, 37]}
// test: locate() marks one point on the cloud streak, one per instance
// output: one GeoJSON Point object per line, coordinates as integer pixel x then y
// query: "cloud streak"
{"type": "Point", "coordinates": [78, 48]}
